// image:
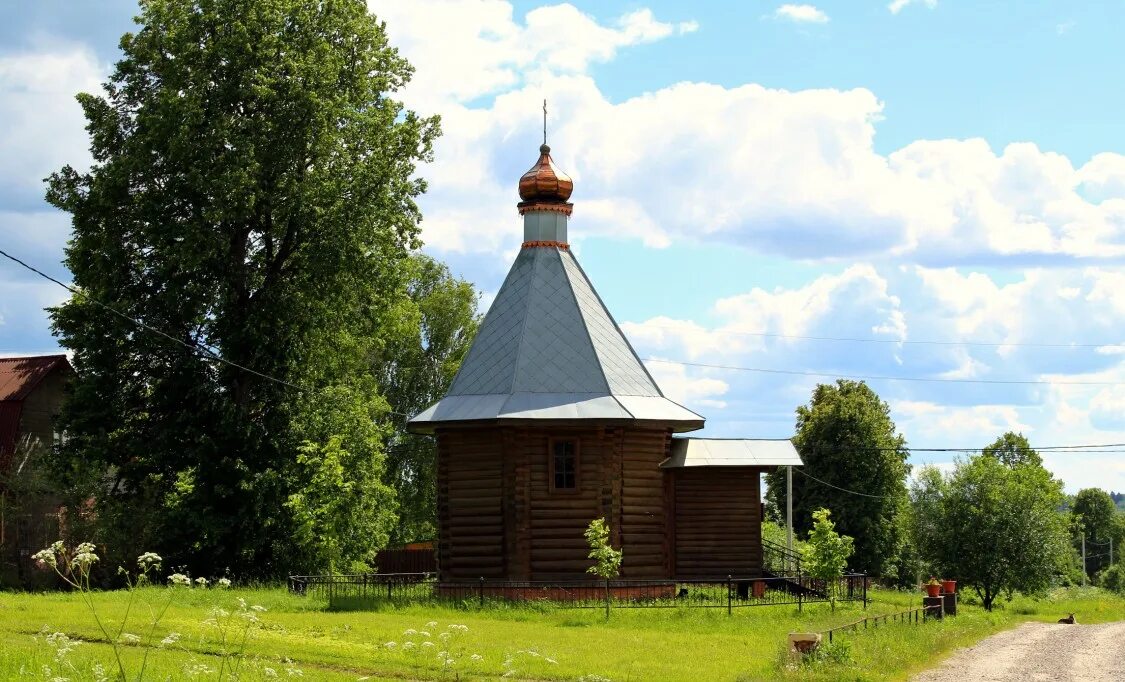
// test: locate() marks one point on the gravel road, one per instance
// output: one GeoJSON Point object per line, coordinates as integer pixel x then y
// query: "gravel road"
{"type": "Point", "coordinates": [1039, 651]}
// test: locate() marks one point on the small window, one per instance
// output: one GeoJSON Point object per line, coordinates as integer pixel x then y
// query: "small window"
{"type": "Point", "coordinates": [564, 464]}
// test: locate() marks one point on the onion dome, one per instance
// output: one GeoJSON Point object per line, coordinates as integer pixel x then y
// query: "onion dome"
{"type": "Point", "coordinates": [544, 187]}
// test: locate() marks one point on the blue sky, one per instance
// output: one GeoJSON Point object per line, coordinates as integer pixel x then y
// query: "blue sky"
{"type": "Point", "coordinates": [890, 171]}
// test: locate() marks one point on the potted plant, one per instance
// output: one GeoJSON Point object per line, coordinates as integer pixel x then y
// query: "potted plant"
{"type": "Point", "coordinates": [948, 586]}
{"type": "Point", "coordinates": [933, 587]}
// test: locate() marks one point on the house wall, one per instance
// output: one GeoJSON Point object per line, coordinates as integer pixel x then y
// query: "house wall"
{"type": "Point", "coordinates": [499, 519]}
{"type": "Point", "coordinates": [718, 521]}
{"type": "Point", "coordinates": [30, 522]}
{"type": "Point", "coordinates": [42, 405]}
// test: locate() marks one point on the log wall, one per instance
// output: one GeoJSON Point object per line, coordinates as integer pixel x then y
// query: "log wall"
{"type": "Point", "coordinates": [718, 523]}
{"type": "Point", "coordinates": [499, 519]}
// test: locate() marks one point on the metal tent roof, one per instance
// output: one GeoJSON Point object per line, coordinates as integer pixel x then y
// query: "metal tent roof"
{"type": "Point", "coordinates": [549, 349]}
{"type": "Point", "coordinates": [712, 452]}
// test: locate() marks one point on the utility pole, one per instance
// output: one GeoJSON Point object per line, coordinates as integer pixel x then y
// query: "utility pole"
{"type": "Point", "coordinates": [789, 508]}
{"type": "Point", "coordinates": [1083, 558]}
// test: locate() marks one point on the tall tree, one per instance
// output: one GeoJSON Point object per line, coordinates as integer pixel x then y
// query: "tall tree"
{"type": "Point", "coordinates": [995, 528]}
{"type": "Point", "coordinates": [253, 194]}
{"type": "Point", "coordinates": [847, 439]}
{"type": "Point", "coordinates": [415, 369]}
{"type": "Point", "coordinates": [1095, 517]}
{"type": "Point", "coordinates": [1013, 449]}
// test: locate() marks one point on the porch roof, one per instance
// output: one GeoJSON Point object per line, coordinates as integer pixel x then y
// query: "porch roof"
{"type": "Point", "coordinates": [731, 452]}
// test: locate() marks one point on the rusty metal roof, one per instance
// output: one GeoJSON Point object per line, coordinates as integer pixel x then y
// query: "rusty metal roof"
{"type": "Point", "coordinates": [727, 452]}
{"type": "Point", "coordinates": [19, 376]}
{"type": "Point", "coordinates": [549, 349]}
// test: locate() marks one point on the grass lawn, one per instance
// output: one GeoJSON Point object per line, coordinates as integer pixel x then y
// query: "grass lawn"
{"type": "Point", "coordinates": [300, 636]}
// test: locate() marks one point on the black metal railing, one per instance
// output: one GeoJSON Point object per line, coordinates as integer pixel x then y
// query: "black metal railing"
{"type": "Point", "coordinates": [780, 560]}
{"type": "Point", "coordinates": [372, 590]}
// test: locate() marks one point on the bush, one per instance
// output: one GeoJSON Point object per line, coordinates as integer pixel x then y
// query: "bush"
{"type": "Point", "coordinates": [1113, 578]}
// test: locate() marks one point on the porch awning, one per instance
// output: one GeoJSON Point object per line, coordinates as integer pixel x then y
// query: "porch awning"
{"type": "Point", "coordinates": [731, 452]}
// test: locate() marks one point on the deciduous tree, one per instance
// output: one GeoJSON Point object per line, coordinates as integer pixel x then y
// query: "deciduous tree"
{"type": "Point", "coordinates": [995, 528]}
{"type": "Point", "coordinates": [252, 194]}
{"type": "Point", "coordinates": [436, 325]}
{"type": "Point", "coordinates": [847, 439]}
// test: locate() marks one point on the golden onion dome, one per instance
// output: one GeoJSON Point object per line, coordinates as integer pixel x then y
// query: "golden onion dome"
{"type": "Point", "coordinates": [544, 183]}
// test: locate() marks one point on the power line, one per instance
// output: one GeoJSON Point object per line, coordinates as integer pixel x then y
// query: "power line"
{"type": "Point", "coordinates": [853, 492]}
{"type": "Point", "coordinates": [194, 347]}
{"type": "Point", "coordinates": [876, 377]}
{"type": "Point", "coordinates": [920, 342]}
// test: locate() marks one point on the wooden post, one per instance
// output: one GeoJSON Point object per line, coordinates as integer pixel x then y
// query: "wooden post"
{"type": "Point", "coordinates": [1083, 558]}
{"type": "Point", "coordinates": [482, 592]}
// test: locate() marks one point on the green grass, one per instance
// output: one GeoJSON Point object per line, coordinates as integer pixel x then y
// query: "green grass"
{"type": "Point", "coordinates": [636, 644]}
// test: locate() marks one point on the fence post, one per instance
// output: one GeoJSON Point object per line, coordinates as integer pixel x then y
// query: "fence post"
{"type": "Point", "coordinates": [728, 594]}
{"type": "Point", "coordinates": [863, 577]}
{"type": "Point", "coordinates": [800, 590]}
{"type": "Point", "coordinates": [482, 591]}
{"type": "Point", "coordinates": [389, 582]}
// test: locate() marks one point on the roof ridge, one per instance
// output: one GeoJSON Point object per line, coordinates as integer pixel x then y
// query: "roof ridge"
{"type": "Point", "coordinates": [613, 321]}
{"type": "Point", "coordinates": [526, 315]}
{"type": "Point", "coordinates": [586, 324]}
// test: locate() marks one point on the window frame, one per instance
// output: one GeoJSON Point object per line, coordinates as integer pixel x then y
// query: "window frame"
{"type": "Point", "coordinates": [551, 487]}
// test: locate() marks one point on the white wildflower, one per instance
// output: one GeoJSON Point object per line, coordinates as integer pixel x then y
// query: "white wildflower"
{"type": "Point", "coordinates": [476, 657]}
{"type": "Point", "coordinates": [130, 638]}
{"type": "Point", "coordinates": [550, 660]}
{"type": "Point", "coordinates": [149, 560]}
{"type": "Point", "coordinates": [180, 579]}
{"type": "Point", "coordinates": [424, 633]}
{"type": "Point", "coordinates": [408, 645]}
{"type": "Point", "coordinates": [409, 632]}
{"type": "Point", "coordinates": [224, 582]}
{"type": "Point", "coordinates": [391, 645]}
{"type": "Point", "coordinates": [432, 624]}
{"type": "Point", "coordinates": [259, 609]}
{"type": "Point", "coordinates": [269, 672]}
{"type": "Point", "coordinates": [45, 557]}
{"type": "Point", "coordinates": [201, 581]}
{"type": "Point", "coordinates": [427, 643]}
{"type": "Point", "coordinates": [170, 639]}
{"type": "Point", "coordinates": [459, 628]}
{"type": "Point", "coordinates": [294, 672]}
{"type": "Point", "coordinates": [99, 673]}
{"type": "Point", "coordinates": [445, 635]}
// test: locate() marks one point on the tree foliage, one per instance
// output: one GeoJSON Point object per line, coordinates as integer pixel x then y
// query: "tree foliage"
{"type": "Point", "coordinates": [826, 551]}
{"type": "Point", "coordinates": [1095, 517]}
{"type": "Point", "coordinates": [607, 560]}
{"type": "Point", "coordinates": [847, 439]}
{"type": "Point", "coordinates": [436, 326]}
{"type": "Point", "coordinates": [995, 528]}
{"type": "Point", "coordinates": [253, 194]}
{"type": "Point", "coordinates": [1013, 449]}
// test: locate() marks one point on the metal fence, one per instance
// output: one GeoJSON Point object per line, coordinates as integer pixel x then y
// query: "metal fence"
{"type": "Point", "coordinates": [373, 590]}
{"type": "Point", "coordinates": [909, 616]}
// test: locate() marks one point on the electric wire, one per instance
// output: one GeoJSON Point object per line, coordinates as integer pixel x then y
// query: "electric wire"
{"type": "Point", "coordinates": [919, 342]}
{"type": "Point", "coordinates": [877, 377]}
{"type": "Point", "coordinates": [853, 492]}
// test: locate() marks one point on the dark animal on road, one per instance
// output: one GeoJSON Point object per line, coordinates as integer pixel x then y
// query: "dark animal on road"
{"type": "Point", "coordinates": [1068, 620]}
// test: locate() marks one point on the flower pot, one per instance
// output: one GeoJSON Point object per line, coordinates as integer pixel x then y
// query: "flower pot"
{"type": "Point", "coordinates": [933, 590]}
{"type": "Point", "coordinates": [948, 586]}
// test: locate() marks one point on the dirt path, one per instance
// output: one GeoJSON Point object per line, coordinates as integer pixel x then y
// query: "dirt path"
{"type": "Point", "coordinates": [1039, 651]}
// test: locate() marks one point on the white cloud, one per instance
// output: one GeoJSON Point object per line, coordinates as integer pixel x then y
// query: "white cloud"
{"type": "Point", "coordinates": [897, 6]}
{"type": "Point", "coordinates": [483, 49]}
{"type": "Point", "coordinates": [804, 14]}
{"type": "Point", "coordinates": [692, 389]}
{"type": "Point", "coordinates": [42, 124]}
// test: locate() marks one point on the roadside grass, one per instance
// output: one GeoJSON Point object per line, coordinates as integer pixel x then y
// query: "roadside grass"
{"type": "Point", "coordinates": [301, 635]}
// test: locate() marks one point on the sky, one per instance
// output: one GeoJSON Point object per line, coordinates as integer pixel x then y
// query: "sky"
{"type": "Point", "coordinates": [932, 190]}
